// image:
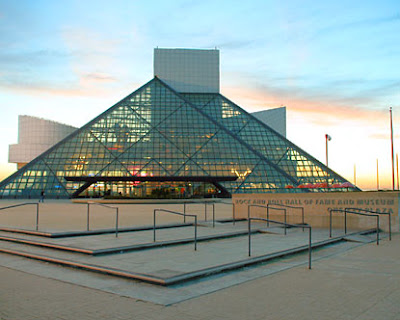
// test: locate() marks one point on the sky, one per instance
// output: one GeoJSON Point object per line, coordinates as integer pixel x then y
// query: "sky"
{"type": "Point", "coordinates": [333, 64]}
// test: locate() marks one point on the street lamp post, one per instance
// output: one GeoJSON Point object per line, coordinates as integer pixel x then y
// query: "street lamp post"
{"type": "Point", "coordinates": [391, 139]}
{"type": "Point", "coordinates": [327, 138]}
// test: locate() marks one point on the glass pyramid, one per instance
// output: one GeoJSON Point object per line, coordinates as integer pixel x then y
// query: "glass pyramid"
{"type": "Point", "coordinates": [157, 139]}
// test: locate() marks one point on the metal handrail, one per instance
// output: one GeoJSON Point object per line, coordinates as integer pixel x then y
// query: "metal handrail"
{"type": "Point", "coordinates": [286, 206]}
{"type": "Point", "coordinates": [345, 221]}
{"type": "Point", "coordinates": [103, 205]}
{"type": "Point", "coordinates": [233, 211]}
{"type": "Point", "coordinates": [180, 214]}
{"type": "Point", "coordinates": [376, 212]}
{"type": "Point", "coordinates": [286, 225]}
{"type": "Point", "coordinates": [24, 204]}
{"type": "Point", "coordinates": [205, 210]}
{"type": "Point", "coordinates": [261, 206]}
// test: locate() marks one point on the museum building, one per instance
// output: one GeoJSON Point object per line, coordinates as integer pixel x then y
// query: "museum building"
{"type": "Point", "coordinates": [176, 136]}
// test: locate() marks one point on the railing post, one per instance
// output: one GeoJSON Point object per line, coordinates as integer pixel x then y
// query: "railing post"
{"type": "Point", "coordinates": [345, 221]}
{"type": "Point", "coordinates": [390, 227]}
{"type": "Point", "coordinates": [116, 224]}
{"type": "Point", "coordinates": [154, 225]}
{"type": "Point", "coordinates": [285, 222]}
{"type": "Point", "coordinates": [184, 212]}
{"type": "Point", "coordinates": [205, 210]}
{"type": "Point", "coordinates": [377, 229]}
{"type": "Point", "coordinates": [302, 217]}
{"type": "Point", "coordinates": [249, 229]}
{"type": "Point", "coordinates": [309, 248]}
{"type": "Point", "coordinates": [213, 205]}
{"type": "Point", "coordinates": [233, 213]}
{"type": "Point", "coordinates": [195, 233]}
{"type": "Point", "coordinates": [37, 216]}
{"type": "Point", "coordinates": [268, 214]}
{"type": "Point", "coordinates": [87, 217]}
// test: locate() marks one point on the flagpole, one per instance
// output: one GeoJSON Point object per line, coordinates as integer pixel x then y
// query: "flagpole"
{"type": "Point", "coordinates": [355, 175]}
{"type": "Point", "coordinates": [391, 138]}
{"type": "Point", "coordinates": [397, 165]}
{"type": "Point", "coordinates": [377, 175]}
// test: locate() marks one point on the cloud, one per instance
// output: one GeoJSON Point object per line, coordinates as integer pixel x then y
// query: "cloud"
{"type": "Point", "coordinates": [358, 24]}
{"type": "Point", "coordinates": [321, 109]}
{"type": "Point", "coordinates": [88, 85]}
{"type": "Point", "coordinates": [234, 44]}
{"type": "Point", "coordinates": [41, 88]}
{"type": "Point", "coordinates": [97, 77]}
{"type": "Point", "coordinates": [384, 136]}
{"type": "Point", "coordinates": [85, 68]}
{"type": "Point", "coordinates": [30, 57]}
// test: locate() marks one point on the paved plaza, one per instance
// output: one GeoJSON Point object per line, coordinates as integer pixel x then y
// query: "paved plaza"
{"type": "Point", "coordinates": [349, 279]}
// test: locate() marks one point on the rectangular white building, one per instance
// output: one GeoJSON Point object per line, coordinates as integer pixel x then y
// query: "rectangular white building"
{"type": "Point", "coordinates": [188, 70]}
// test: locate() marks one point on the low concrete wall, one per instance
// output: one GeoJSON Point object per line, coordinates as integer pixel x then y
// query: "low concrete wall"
{"type": "Point", "coordinates": [317, 205]}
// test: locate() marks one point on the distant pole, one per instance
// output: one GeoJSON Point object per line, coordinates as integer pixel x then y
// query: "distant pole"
{"type": "Point", "coordinates": [391, 139]}
{"type": "Point", "coordinates": [397, 166]}
{"type": "Point", "coordinates": [355, 175]}
{"type": "Point", "coordinates": [377, 175]}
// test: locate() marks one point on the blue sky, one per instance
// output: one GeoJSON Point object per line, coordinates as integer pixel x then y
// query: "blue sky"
{"type": "Point", "coordinates": [334, 64]}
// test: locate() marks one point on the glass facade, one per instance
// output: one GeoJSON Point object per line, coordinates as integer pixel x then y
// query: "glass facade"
{"type": "Point", "coordinates": [158, 133]}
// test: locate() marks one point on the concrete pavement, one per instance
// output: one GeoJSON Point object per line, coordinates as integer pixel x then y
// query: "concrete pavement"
{"type": "Point", "coordinates": [358, 284]}
{"type": "Point", "coordinates": [348, 281]}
